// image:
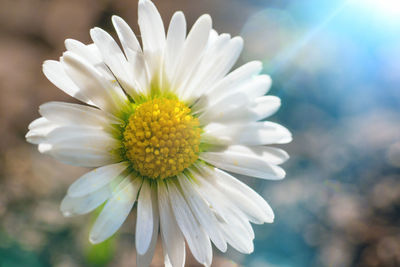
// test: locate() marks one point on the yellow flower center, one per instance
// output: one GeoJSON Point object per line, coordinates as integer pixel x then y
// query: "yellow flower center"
{"type": "Point", "coordinates": [162, 138]}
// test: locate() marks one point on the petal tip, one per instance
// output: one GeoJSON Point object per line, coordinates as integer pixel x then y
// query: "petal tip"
{"type": "Point", "coordinates": [206, 18]}
{"type": "Point", "coordinates": [282, 174]}
{"type": "Point", "coordinates": [115, 17]}
{"type": "Point", "coordinates": [44, 148]}
{"type": "Point", "coordinates": [46, 65]}
{"type": "Point", "coordinates": [66, 214]}
{"type": "Point", "coordinates": [93, 240]}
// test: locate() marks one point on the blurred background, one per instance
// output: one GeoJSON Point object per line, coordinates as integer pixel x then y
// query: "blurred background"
{"type": "Point", "coordinates": [335, 65]}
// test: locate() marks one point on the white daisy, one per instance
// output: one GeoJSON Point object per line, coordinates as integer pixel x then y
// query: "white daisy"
{"type": "Point", "coordinates": [162, 126]}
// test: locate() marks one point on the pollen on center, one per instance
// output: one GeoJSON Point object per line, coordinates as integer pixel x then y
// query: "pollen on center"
{"type": "Point", "coordinates": [161, 138]}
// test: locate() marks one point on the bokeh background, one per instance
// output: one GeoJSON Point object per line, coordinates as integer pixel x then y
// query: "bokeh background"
{"type": "Point", "coordinates": [335, 65]}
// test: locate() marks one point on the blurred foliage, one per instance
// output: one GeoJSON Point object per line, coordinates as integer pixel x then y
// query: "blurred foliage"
{"type": "Point", "coordinates": [100, 254]}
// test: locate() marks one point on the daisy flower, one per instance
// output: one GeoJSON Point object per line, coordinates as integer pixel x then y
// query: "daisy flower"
{"type": "Point", "coordinates": [164, 126]}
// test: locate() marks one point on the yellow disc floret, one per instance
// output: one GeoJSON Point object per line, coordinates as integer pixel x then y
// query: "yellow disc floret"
{"type": "Point", "coordinates": [161, 138]}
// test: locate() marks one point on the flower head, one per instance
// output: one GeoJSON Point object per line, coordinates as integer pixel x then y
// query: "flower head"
{"type": "Point", "coordinates": [163, 123]}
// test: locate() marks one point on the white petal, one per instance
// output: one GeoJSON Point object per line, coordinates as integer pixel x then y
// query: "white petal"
{"type": "Point", "coordinates": [96, 179]}
{"type": "Point", "coordinates": [242, 202]}
{"type": "Point", "coordinates": [265, 106]}
{"type": "Point", "coordinates": [171, 235]}
{"type": "Point", "coordinates": [215, 199]}
{"type": "Point", "coordinates": [39, 129]}
{"type": "Point", "coordinates": [237, 219]}
{"type": "Point", "coordinates": [206, 65]}
{"type": "Point", "coordinates": [87, 147]}
{"type": "Point", "coordinates": [234, 234]}
{"type": "Point", "coordinates": [224, 105]}
{"type": "Point", "coordinates": [192, 50]}
{"type": "Point", "coordinates": [239, 96]}
{"type": "Point", "coordinates": [244, 81]}
{"type": "Point", "coordinates": [82, 136]}
{"type": "Point", "coordinates": [151, 26]}
{"type": "Point", "coordinates": [145, 220]}
{"type": "Point", "coordinates": [39, 123]}
{"type": "Point", "coordinates": [197, 239]}
{"type": "Point", "coordinates": [212, 38]}
{"type": "Point", "coordinates": [91, 54]}
{"type": "Point", "coordinates": [35, 137]}
{"type": "Point", "coordinates": [115, 211]}
{"type": "Point", "coordinates": [56, 74]}
{"type": "Point", "coordinates": [84, 157]}
{"type": "Point", "coordinates": [88, 52]}
{"type": "Point", "coordinates": [258, 109]}
{"type": "Point", "coordinates": [202, 212]}
{"type": "Point", "coordinates": [100, 91]}
{"type": "Point", "coordinates": [229, 181]}
{"type": "Point", "coordinates": [235, 79]}
{"type": "Point", "coordinates": [216, 43]}
{"type": "Point", "coordinates": [215, 67]}
{"type": "Point", "coordinates": [153, 34]}
{"type": "Point", "coordinates": [138, 67]}
{"type": "Point", "coordinates": [230, 83]}
{"type": "Point", "coordinates": [145, 259]}
{"type": "Point", "coordinates": [71, 206]}
{"type": "Point", "coordinates": [126, 35]}
{"type": "Point", "coordinates": [259, 86]}
{"type": "Point", "coordinates": [236, 229]}
{"type": "Point", "coordinates": [134, 54]}
{"type": "Point", "coordinates": [256, 133]}
{"type": "Point", "coordinates": [115, 59]}
{"type": "Point", "coordinates": [175, 41]}
{"type": "Point", "coordinates": [167, 262]}
{"type": "Point", "coordinates": [268, 154]}
{"type": "Point", "coordinates": [247, 164]}
{"type": "Point", "coordinates": [74, 114]}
